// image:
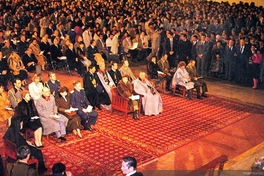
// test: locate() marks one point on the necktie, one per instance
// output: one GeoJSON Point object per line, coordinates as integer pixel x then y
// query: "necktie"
{"type": "Point", "coordinates": [171, 44]}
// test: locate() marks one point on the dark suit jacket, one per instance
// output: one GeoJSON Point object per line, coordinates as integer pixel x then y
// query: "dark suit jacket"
{"type": "Point", "coordinates": [46, 48]}
{"type": "Point", "coordinates": [202, 49]}
{"type": "Point", "coordinates": [88, 85]}
{"type": "Point", "coordinates": [115, 75]}
{"type": "Point", "coordinates": [243, 57]}
{"type": "Point", "coordinates": [91, 51]}
{"type": "Point", "coordinates": [229, 54]}
{"type": "Point", "coordinates": [184, 48]}
{"type": "Point", "coordinates": [168, 46]}
{"type": "Point", "coordinates": [79, 100]}
{"type": "Point", "coordinates": [55, 52]}
{"type": "Point", "coordinates": [49, 31]}
{"type": "Point", "coordinates": [137, 174]}
{"type": "Point", "coordinates": [26, 59]}
{"type": "Point", "coordinates": [90, 89]}
{"type": "Point", "coordinates": [193, 50]}
{"type": "Point", "coordinates": [26, 111]}
{"type": "Point", "coordinates": [3, 65]}
{"type": "Point", "coordinates": [71, 56]}
{"type": "Point", "coordinates": [21, 48]}
{"type": "Point", "coordinates": [54, 87]}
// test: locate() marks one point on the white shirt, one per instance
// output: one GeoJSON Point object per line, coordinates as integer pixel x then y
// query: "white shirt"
{"type": "Point", "coordinates": [35, 90]}
{"type": "Point", "coordinates": [108, 42]}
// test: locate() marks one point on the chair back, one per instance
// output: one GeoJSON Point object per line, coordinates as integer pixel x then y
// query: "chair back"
{"type": "Point", "coordinates": [10, 149]}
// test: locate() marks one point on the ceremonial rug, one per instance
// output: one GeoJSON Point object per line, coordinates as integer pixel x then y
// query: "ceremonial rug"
{"type": "Point", "coordinates": [181, 122]}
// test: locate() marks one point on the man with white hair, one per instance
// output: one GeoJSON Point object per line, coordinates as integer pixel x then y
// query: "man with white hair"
{"type": "Point", "coordinates": [151, 101]}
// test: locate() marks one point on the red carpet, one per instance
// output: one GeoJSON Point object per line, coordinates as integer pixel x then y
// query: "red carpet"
{"type": "Point", "coordinates": [100, 152]}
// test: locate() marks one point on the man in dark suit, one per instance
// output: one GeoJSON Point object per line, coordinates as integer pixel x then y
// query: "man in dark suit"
{"type": "Point", "coordinates": [55, 50]}
{"type": "Point", "coordinates": [193, 50]}
{"type": "Point", "coordinates": [202, 49]}
{"type": "Point", "coordinates": [49, 30]}
{"type": "Point", "coordinates": [56, 53]}
{"type": "Point", "coordinates": [230, 54]}
{"type": "Point", "coordinates": [115, 73]}
{"type": "Point", "coordinates": [79, 100]}
{"type": "Point", "coordinates": [73, 60]}
{"type": "Point", "coordinates": [94, 89]}
{"type": "Point", "coordinates": [29, 60]}
{"type": "Point", "coordinates": [91, 50]}
{"type": "Point", "coordinates": [184, 49]}
{"type": "Point", "coordinates": [22, 46]}
{"type": "Point", "coordinates": [243, 54]}
{"type": "Point", "coordinates": [171, 49]}
{"type": "Point", "coordinates": [129, 165]}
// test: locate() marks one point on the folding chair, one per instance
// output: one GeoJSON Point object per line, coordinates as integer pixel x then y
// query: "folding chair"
{"type": "Point", "coordinates": [63, 64]}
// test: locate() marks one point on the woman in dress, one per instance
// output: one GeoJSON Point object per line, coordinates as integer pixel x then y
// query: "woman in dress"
{"type": "Point", "coordinates": [13, 134]}
{"type": "Point", "coordinates": [64, 107]}
{"type": "Point", "coordinates": [29, 114]}
{"type": "Point", "coordinates": [255, 65]}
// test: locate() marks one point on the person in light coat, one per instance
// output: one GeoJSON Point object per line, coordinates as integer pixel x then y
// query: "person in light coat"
{"type": "Point", "coordinates": [151, 101]}
{"type": "Point", "coordinates": [181, 77]}
{"type": "Point", "coordinates": [49, 117]}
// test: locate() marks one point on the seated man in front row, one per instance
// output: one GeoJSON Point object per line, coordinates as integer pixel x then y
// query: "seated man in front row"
{"type": "Point", "coordinates": [151, 101]}
{"type": "Point", "coordinates": [79, 100]}
{"type": "Point", "coordinates": [49, 117]}
{"type": "Point", "coordinates": [191, 69]}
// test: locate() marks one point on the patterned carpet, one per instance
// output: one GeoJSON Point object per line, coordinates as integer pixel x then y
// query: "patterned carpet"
{"type": "Point", "coordinates": [183, 121]}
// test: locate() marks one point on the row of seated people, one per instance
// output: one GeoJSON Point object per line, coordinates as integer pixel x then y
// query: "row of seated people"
{"type": "Point", "coordinates": [34, 60]}
{"type": "Point", "coordinates": [98, 85]}
{"type": "Point", "coordinates": [54, 113]}
{"type": "Point", "coordinates": [187, 77]}
{"type": "Point", "coordinates": [45, 115]}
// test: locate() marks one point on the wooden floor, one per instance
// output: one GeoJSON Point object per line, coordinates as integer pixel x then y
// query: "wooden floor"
{"type": "Point", "coordinates": [238, 141]}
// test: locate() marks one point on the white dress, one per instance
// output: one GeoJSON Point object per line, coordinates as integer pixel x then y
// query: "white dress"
{"type": "Point", "coordinates": [180, 77]}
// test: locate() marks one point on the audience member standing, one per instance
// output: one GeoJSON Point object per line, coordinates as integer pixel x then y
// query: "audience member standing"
{"type": "Point", "coordinates": [202, 50]}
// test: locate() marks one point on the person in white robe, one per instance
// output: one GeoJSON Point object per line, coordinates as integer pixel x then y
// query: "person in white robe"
{"type": "Point", "coordinates": [151, 100]}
